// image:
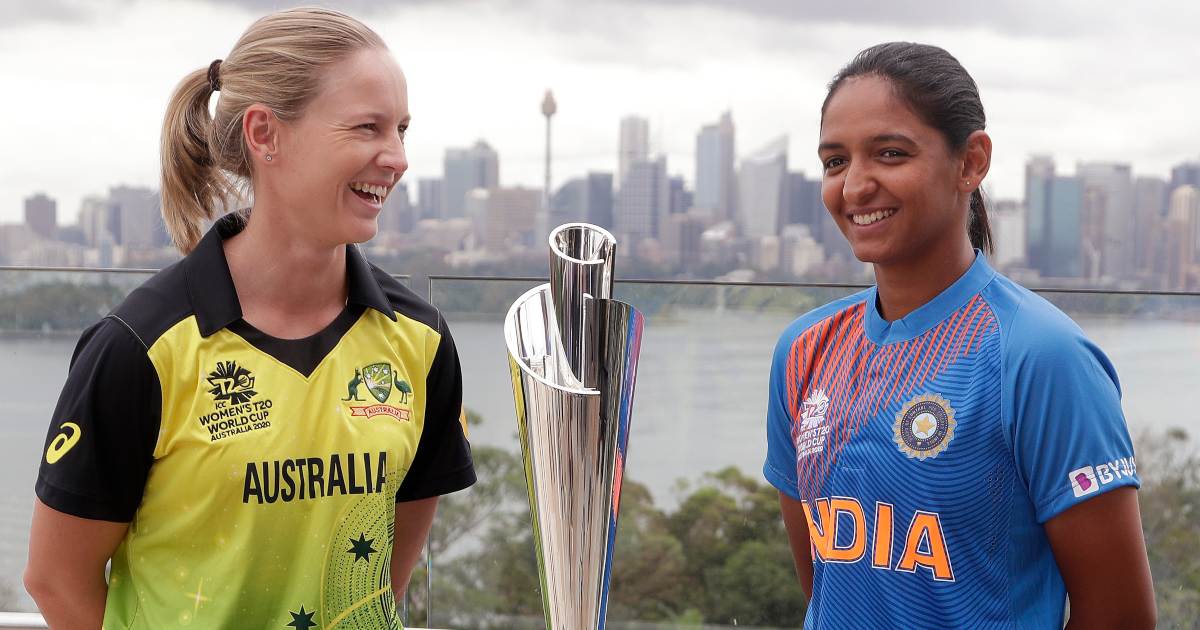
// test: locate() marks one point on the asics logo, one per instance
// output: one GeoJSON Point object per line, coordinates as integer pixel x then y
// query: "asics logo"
{"type": "Point", "coordinates": [63, 442]}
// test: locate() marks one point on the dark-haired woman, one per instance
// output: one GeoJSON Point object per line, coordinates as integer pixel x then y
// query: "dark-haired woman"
{"type": "Point", "coordinates": [949, 448]}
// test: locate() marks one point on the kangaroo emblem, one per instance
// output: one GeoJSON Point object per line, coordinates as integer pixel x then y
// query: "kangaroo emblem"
{"type": "Point", "coordinates": [352, 386]}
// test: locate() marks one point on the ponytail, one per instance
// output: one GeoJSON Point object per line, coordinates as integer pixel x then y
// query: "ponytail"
{"type": "Point", "coordinates": [192, 183]}
{"type": "Point", "coordinates": [980, 230]}
{"type": "Point", "coordinates": [277, 62]}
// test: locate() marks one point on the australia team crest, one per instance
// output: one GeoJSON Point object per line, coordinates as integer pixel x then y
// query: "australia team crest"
{"type": "Point", "coordinates": [380, 381]}
{"type": "Point", "coordinates": [925, 426]}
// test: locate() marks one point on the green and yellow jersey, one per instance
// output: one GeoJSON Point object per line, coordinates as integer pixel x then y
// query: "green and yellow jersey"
{"type": "Point", "coordinates": [259, 476]}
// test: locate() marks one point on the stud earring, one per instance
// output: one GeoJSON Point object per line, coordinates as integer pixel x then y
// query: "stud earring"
{"type": "Point", "coordinates": [968, 181]}
{"type": "Point", "coordinates": [268, 157]}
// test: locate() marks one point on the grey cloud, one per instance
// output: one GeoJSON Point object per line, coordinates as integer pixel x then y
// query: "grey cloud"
{"type": "Point", "coordinates": [15, 14]}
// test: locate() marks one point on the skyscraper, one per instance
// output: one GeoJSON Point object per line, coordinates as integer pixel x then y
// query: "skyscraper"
{"type": "Point", "coordinates": [1183, 239]}
{"type": "Point", "coordinates": [429, 198]}
{"type": "Point", "coordinates": [1184, 174]}
{"type": "Point", "coordinates": [1064, 235]}
{"type": "Point", "coordinates": [1007, 219]}
{"type": "Point", "coordinates": [587, 199]}
{"type": "Point", "coordinates": [681, 199]}
{"type": "Point", "coordinates": [466, 170]}
{"type": "Point", "coordinates": [716, 185]}
{"type": "Point", "coordinates": [505, 218]}
{"type": "Point", "coordinates": [1039, 178]}
{"type": "Point", "coordinates": [804, 201]}
{"type": "Point", "coordinates": [41, 215]}
{"type": "Point", "coordinates": [1108, 218]}
{"type": "Point", "coordinates": [140, 222]}
{"type": "Point", "coordinates": [398, 212]}
{"type": "Point", "coordinates": [1149, 203]}
{"type": "Point", "coordinates": [643, 200]}
{"type": "Point", "coordinates": [634, 145]}
{"type": "Point", "coordinates": [762, 190]}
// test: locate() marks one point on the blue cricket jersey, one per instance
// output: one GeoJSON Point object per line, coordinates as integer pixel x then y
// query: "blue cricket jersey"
{"type": "Point", "coordinates": [927, 453]}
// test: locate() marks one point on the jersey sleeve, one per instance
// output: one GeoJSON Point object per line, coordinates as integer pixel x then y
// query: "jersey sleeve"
{"type": "Point", "coordinates": [101, 440]}
{"type": "Point", "coordinates": [1070, 439]}
{"type": "Point", "coordinates": [780, 467]}
{"type": "Point", "coordinates": [442, 463]}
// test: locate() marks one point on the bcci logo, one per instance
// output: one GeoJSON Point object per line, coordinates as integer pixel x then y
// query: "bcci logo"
{"type": "Point", "coordinates": [380, 380]}
{"type": "Point", "coordinates": [231, 384]}
{"type": "Point", "coordinates": [925, 426]}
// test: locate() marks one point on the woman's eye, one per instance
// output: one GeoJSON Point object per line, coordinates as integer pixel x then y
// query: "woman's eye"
{"type": "Point", "coordinates": [403, 129]}
{"type": "Point", "coordinates": [367, 126]}
{"type": "Point", "coordinates": [892, 153]}
{"type": "Point", "coordinates": [833, 163]}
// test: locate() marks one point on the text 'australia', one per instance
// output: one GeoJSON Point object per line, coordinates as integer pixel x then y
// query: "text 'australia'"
{"type": "Point", "coordinates": [314, 477]}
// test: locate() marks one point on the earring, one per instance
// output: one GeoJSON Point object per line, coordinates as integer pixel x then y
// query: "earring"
{"type": "Point", "coordinates": [268, 157]}
{"type": "Point", "coordinates": [968, 181]}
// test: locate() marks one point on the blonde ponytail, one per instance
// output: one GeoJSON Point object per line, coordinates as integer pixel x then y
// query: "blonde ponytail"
{"type": "Point", "coordinates": [277, 62]}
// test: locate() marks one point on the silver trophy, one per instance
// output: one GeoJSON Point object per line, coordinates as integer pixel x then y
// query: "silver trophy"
{"type": "Point", "coordinates": [573, 352]}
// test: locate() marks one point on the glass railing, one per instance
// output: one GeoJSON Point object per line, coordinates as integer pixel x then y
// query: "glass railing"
{"type": "Point", "coordinates": [700, 543]}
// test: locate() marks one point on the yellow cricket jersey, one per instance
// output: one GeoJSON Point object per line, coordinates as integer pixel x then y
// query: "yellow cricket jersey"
{"type": "Point", "coordinates": [259, 476]}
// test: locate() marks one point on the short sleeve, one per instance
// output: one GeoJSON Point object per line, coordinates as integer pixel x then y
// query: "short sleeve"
{"type": "Point", "coordinates": [101, 440]}
{"type": "Point", "coordinates": [1070, 439]}
{"type": "Point", "coordinates": [780, 467]}
{"type": "Point", "coordinates": [442, 463]}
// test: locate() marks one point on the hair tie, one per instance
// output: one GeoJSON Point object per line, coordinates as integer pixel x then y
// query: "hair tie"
{"type": "Point", "coordinates": [214, 75]}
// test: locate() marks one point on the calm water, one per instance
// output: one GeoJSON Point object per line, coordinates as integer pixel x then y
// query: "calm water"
{"type": "Point", "coordinates": [700, 405]}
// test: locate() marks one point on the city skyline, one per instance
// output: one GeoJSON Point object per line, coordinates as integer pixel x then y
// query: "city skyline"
{"type": "Point", "coordinates": [677, 64]}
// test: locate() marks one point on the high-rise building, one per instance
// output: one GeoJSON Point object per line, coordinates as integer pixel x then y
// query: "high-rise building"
{"type": "Point", "coordinates": [716, 184]}
{"type": "Point", "coordinates": [681, 199]}
{"type": "Point", "coordinates": [1064, 228]}
{"type": "Point", "coordinates": [93, 218]}
{"type": "Point", "coordinates": [505, 218]}
{"type": "Point", "coordinates": [1184, 174]}
{"type": "Point", "coordinates": [634, 145]}
{"type": "Point", "coordinates": [466, 170]}
{"type": "Point", "coordinates": [1108, 224]}
{"type": "Point", "coordinates": [1149, 202]}
{"type": "Point", "coordinates": [681, 235]}
{"type": "Point", "coordinates": [140, 223]}
{"type": "Point", "coordinates": [587, 199]}
{"type": "Point", "coordinates": [763, 190]}
{"type": "Point", "coordinates": [41, 215]}
{"type": "Point", "coordinates": [1183, 239]}
{"type": "Point", "coordinates": [429, 198]}
{"type": "Point", "coordinates": [1007, 220]}
{"type": "Point", "coordinates": [398, 213]}
{"type": "Point", "coordinates": [804, 201]}
{"type": "Point", "coordinates": [1039, 178]}
{"type": "Point", "coordinates": [644, 198]}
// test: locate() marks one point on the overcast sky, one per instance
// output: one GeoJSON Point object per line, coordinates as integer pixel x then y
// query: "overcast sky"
{"type": "Point", "coordinates": [85, 82]}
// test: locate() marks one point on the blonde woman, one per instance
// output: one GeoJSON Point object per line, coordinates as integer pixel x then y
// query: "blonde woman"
{"type": "Point", "coordinates": [258, 436]}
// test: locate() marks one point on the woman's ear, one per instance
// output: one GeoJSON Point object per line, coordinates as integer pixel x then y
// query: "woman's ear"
{"type": "Point", "coordinates": [977, 159]}
{"type": "Point", "coordinates": [260, 128]}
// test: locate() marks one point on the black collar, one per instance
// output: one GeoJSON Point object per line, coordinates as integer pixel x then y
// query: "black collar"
{"type": "Point", "coordinates": [214, 298]}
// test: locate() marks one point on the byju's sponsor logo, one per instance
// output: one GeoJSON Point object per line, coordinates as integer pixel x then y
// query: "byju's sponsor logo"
{"type": "Point", "coordinates": [1089, 479]}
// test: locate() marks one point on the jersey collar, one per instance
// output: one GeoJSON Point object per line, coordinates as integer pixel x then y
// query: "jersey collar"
{"type": "Point", "coordinates": [214, 298]}
{"type": "Point", "coordinates": [930, 314]}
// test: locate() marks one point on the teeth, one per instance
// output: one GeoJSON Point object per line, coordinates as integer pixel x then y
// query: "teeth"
{"type": "Point", "coordinates": [378, 191]}
{"type": "Point", "coordinates": [871, 217]}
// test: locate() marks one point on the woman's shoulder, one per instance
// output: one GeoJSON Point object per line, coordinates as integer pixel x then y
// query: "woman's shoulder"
{"type": "Point", "coordinates": [1035, 332]}
{"type": "Point", "coordinates": [405, 302]}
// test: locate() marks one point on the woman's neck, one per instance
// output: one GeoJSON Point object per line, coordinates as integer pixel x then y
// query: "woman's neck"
{"type": "Point", "coordinates": [906, 286]}
{"type": "Point", "coordinates": [289, 284]}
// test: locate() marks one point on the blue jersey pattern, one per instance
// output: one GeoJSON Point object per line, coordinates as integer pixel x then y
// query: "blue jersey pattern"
{"type": "Point", "coordinates": [928, 451]}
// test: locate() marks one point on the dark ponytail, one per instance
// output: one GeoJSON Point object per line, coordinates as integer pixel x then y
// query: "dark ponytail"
{"type": "Point", "coordinates": [940, 91]}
